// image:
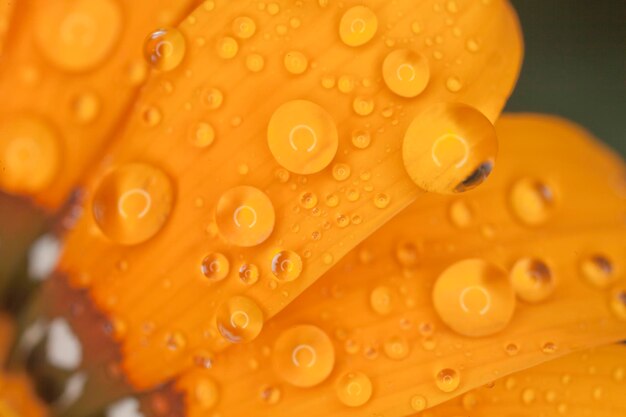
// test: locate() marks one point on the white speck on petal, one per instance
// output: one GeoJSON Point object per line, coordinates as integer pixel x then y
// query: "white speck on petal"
{"type": "Point", "coordinates": [126, 407]}
{"type": "Point", "coordinates": [43, 256]}
{"type": "Point", "coordinates": [63, 349]}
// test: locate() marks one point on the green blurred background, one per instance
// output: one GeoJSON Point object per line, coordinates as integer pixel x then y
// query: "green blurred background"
{"type": "Point", "coordinates": [575, 64]}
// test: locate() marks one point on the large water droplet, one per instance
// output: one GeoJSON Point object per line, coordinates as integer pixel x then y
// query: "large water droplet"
{"type": "Point", "coordinates": [239, 319]}
{"type": "Point", "coordinates": [78, 35]}
{"type": "Point", "coordinates": [406, 72]}
{"type": "Point", "coordinates": [132, 203]}
{"type": "Point", "coordinates": [302, 137]}
{"type": "Point", "coordinates": [449, 148]}
{"type": "Point", "coordinates": [164, 49]}
{"type": "Point", "coordinates": [532, 280]}
{"type": "Point", "coordinates": [353, 389]}
{"type": "Point", "coordinates": [303, 355]}
{"type": "Point", "coordinates": [358, 26]}
{"type": "Point", "coordinates": [30, 154]}
{"type": "Point", "coordinates": [474, 298]}
{"type": "Point", "coordinates": [245, 216]}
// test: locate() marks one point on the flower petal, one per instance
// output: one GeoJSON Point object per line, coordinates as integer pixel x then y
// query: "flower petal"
{"type": "Point", "coordinates": [395, 337]}
{"type": "Point", "coordinates": [245, 129]}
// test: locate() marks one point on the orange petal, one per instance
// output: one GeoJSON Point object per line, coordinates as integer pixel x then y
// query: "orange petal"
{"type": "Point", "coordinates": [395, 337]}
{"type": "Point", "coordinates": [69, 73]}
{"type": "Point", "coordinates": [589, 383]}
{"type": "Point", "coordinates": [255, 78]}
{"type": "Point", "coordinates": [6, 11]}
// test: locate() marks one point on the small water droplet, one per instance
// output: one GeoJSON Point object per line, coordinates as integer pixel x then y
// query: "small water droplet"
{"type": "Point", "coordinates": [201, 135]}
{"type": "Point", "coordinates": [448, 379]}
{"type": "Point", "coordinates": [358, 26]}
{"type": "Point", "coordinates": [396, 348]}
{"type": "Point", "coordinates": [461, 214]}
{"type": "Point", "coordinates": [215, 267]}
{"type": "Point", "coordinates": [227, 47]}
{"type": "Point", "coordinates": [381, 200]}
{"type": "Point", "coordinates": [286, 265]}
{"type": "Point", "coordinates": [164, 49]}
{"type": "Point", "coordinates": [361, 139]}
{"type": "Point", "coordinates": [296, 62]}
{"type": "Point", "coordinates": [308, 200]}
{"type": "Point", "coordinates": [353, 389]}
{"type": "Point", "coordinates": [617, 302]}
{"type": "Point", "coordinates": [598, 270]}
{"type": "Point", "coordinates": [406, 72]}
{"type": "Point", "coordinates": [532, 280]}
{"type": "Point", "coordinates": [531, 201]}
{"type": "Point", "coordinates": [213, 98]}
{"type": "Point", "coordinates": [244, 27]}
{"type": "Point", "coordinates": [418, 403]}
{"type": "Point", "coordinates": [363, 106]}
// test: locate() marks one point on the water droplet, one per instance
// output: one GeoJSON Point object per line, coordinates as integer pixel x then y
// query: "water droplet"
{"type": "Point", "coordinates": [308, 200]}
{"type": "Point", "coordinates": [511, 349]}
{"type": "Point", "coordinates": [302, 137]}
{"type": "Point", "coordinates": [239, 319]}
{"type": "Point", "coordinates": [286, 265]}
{"type": "Point", "coordinates": [249, 273]}
{"type": "Point", "coordinates": [227, 47]}
{"type": "Point", "coordinates": [407, 254]}
{"type": "Point", "coordinates": [380, 300]}
{"type": "Point", "coordinates": [474, 298]}
{"type": "Point", "coordinates": [244, 27]}
{"type": "Point", "coordinates": [549, 347]}
{"type": "Point", "coordinates": [270, 394]}
{"type": "Point", "coordinates": [449, 148]}
{"type": "Point", "coordinates": [152, 116]}
{"type": "Point", "coordinates": [358, 26]}
{"type": "Point", "coordinates": [79, 35]}
{"type": "Point", "coordinates": [86, 107]}
{"type": "Point", "coordinates": [381, 200]}
{"type": "Point", "coordinates": [201, 135]}
{"type": "Point", "coordinates": [447, 379]}
{"type": "Point", "coordinates": [346, 84]}
{"type": "Point", "coordinates": [460, 214]}
{"type": "Point", "coordinates": [361, 139]}
{"type": "Point", "coordinates": [454, 84]}
{"type": "Point", "coordinates": [296, 62]}
{"type": "Point", "coordinates": [303, 355]}
{"type": "Point", "coordinates": [255, 62]}
{"type": "Point", "coordinates": [30, 154]}
{"type": "Point", "coordinates": [164, 49]}
{"type": "Point", "coordinates": [353, 389]}
{"type": "Point", "coordinates": [418, 403]}
{"type": "Point", "coordinates": [528, 396]}
{"type": "Point", "coordinates": [598, 271]}
{"type": "Point", "coordinates": [472, 45]}
{"type": "Point", "coordinates": [363, 106]}
{"type": "Point", "coordinates": [341, 172]}
{"type": "Point", "coordinates": [406, 72]}
{"type": "Point", "coordinates": [132, 203]}
{"type": "Point", "coordinates": [213, 98]}
{"type": "Point", "coordinates": [532, 280]}
{"type": "Point", "coordinates": [617, 302]}
{"type": "Point", "coordinates": [215, 267]}
{"type": "Point", "coordinates": [531, 201]}
{"type": "Point", "coordinates": [396, 348]}
{"type": "Point", "coordinates": [245, 216]}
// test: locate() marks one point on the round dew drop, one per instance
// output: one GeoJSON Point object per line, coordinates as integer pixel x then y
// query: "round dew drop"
{"type": "Point", "coordinates": [132, 203]}
{"type": "Point", "coordinates": [245, 216]}
{"type": "Point", "coordinates": [296, 62]}
{"type": "Point", "coordinates": [353, 389]}
{"type": "Point", "coordinates": [227, 48]}
{"type": "Point", "coordinates": [79, 35]}
{"type": "Point", "coordinates": [164, 49]}
{"type": "Point", "coordinates": [448, 379]}
{"type": "Point", "coordinates": [598, 270]}
{"type": "Point", "coordinates": [302, 137]}
{"type": "Point", "coordinates": [358, 26]}
{"type": "Point", "coordinates": [215, 267]}
{"type": "Point", "coordinates": [406, 72]}
{"type": "Point", "coordinates": [30, 154]}
{"type": "Point", "coordinates": [244, 27]}
{"type": "Point", "coordinates": [532, 280]}
{"type": "Point", "coordinates": [239, 319]}
{"type": "Point", "coordinates": [303, 355]}
{"type": "Point", "coordinates": [249, 274]}
{"type": "Point", "coordinates": [532, 201]}
{"type": "Point", "coordinates": [617, 302]}
{"type": "Point", "coordinates": [286, 265]}
{"type": "Point", "coordinates": [474, 298]}
{"type": "Point", "coordinates": [449, 148]}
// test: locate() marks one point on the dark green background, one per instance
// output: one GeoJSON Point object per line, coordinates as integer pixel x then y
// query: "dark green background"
{"type": "Point", "coordinates": [575, 64]}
